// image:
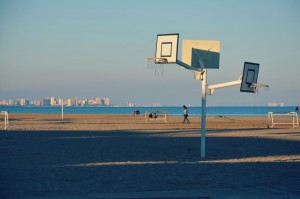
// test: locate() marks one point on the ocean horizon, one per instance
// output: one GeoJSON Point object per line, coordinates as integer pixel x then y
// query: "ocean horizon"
{"type": "Point", "coordinates": [171, 110]}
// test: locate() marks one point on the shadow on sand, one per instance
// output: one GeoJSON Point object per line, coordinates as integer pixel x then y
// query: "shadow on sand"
{"type": "Point", "coordinates": [47, 163]}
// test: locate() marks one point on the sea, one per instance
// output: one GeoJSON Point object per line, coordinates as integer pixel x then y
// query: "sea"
{"type": "Point", "coordinates": [193, 111]}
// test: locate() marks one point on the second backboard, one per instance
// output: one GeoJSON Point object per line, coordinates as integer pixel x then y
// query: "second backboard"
{"type": "Point", "coordinates": [250, 76]}
{"type": "Point", "coordinates": [205, 52]}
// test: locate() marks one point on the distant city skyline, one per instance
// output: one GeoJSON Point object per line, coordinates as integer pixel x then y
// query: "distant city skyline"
{"type": "Point", "coordinates": [96, 101]}
{"type": "Point", "coordinates": [92, 48]}
{"type": "Point", "coordinates": [55, 101]}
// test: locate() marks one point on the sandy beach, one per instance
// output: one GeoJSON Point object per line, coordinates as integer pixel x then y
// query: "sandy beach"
{"type": "Point", "coordinates": [121, 156]}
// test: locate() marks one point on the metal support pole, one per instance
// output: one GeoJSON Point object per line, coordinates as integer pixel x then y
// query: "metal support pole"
{"type": "Point", "coordinates": [203, 114]}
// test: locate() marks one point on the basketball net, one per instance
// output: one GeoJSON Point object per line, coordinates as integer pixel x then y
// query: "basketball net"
{"type": "Point", "coordinates": [157, 64]}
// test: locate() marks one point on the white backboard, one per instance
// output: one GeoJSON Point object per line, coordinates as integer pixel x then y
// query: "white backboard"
{"type": "Point", "coordinates": [206, 52]}
{"type": "Point", "coordinates": [167, 47]}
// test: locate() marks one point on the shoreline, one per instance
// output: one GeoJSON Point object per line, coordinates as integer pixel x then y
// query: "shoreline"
{"type": "Point", "coordinates": [173, 111]}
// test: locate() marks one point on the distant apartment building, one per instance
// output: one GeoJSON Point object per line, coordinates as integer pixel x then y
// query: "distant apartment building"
{"type": "Point", "coordinates": [105, 101]}
{"type": "Point", "coordinates": [24, 102]}
{"type": "Point", "coordinates": [97, 101]}
{"type": "Point", "coordinates": [82, 103]}
{"type": "Point", "coordinates": [11, 102]}
{"type": "Point", "coordinates": [60, 101]}
{"type": "Point", "coordinates": [69, 102]}
{"type": "Point", "coordinates": [91, 102]}
{"type": "Point", "coordinates": [46, 102]}
{"type": "Point", "coordinates": [275, 104]}
{"type": "Point", "coordinates": [77, 101]}
{"type": "Point", "coordinates": [52, 101]}
{"type": "Point", "coordinates": [4, 102]}
{"type": "Point", "coordinates": [36, 102]}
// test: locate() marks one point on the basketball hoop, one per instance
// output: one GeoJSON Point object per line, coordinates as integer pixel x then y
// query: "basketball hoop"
{"type": "Point", "coordinates": [257, 86]}
{"type": "Point", "coordinates": [158, 60]}
{"type": "Point", "coordinates": [157, 64]}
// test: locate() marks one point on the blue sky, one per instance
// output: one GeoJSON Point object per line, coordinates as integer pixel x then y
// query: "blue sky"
{"type": "Point", "coordinates": [67, 48]}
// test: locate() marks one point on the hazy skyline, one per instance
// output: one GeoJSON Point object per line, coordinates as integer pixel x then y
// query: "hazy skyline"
{"type": "Point", "coordinates": [100, 48]}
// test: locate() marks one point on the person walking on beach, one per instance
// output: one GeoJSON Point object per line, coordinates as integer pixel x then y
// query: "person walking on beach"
{"type": "Point", "coordinates": [297, 110]}
{"type": "Point", "coordinates": [185, 115]}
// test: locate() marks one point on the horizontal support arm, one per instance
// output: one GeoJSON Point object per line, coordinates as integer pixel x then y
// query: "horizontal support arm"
{"type": "Point", "coordinates": [222, 85]}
